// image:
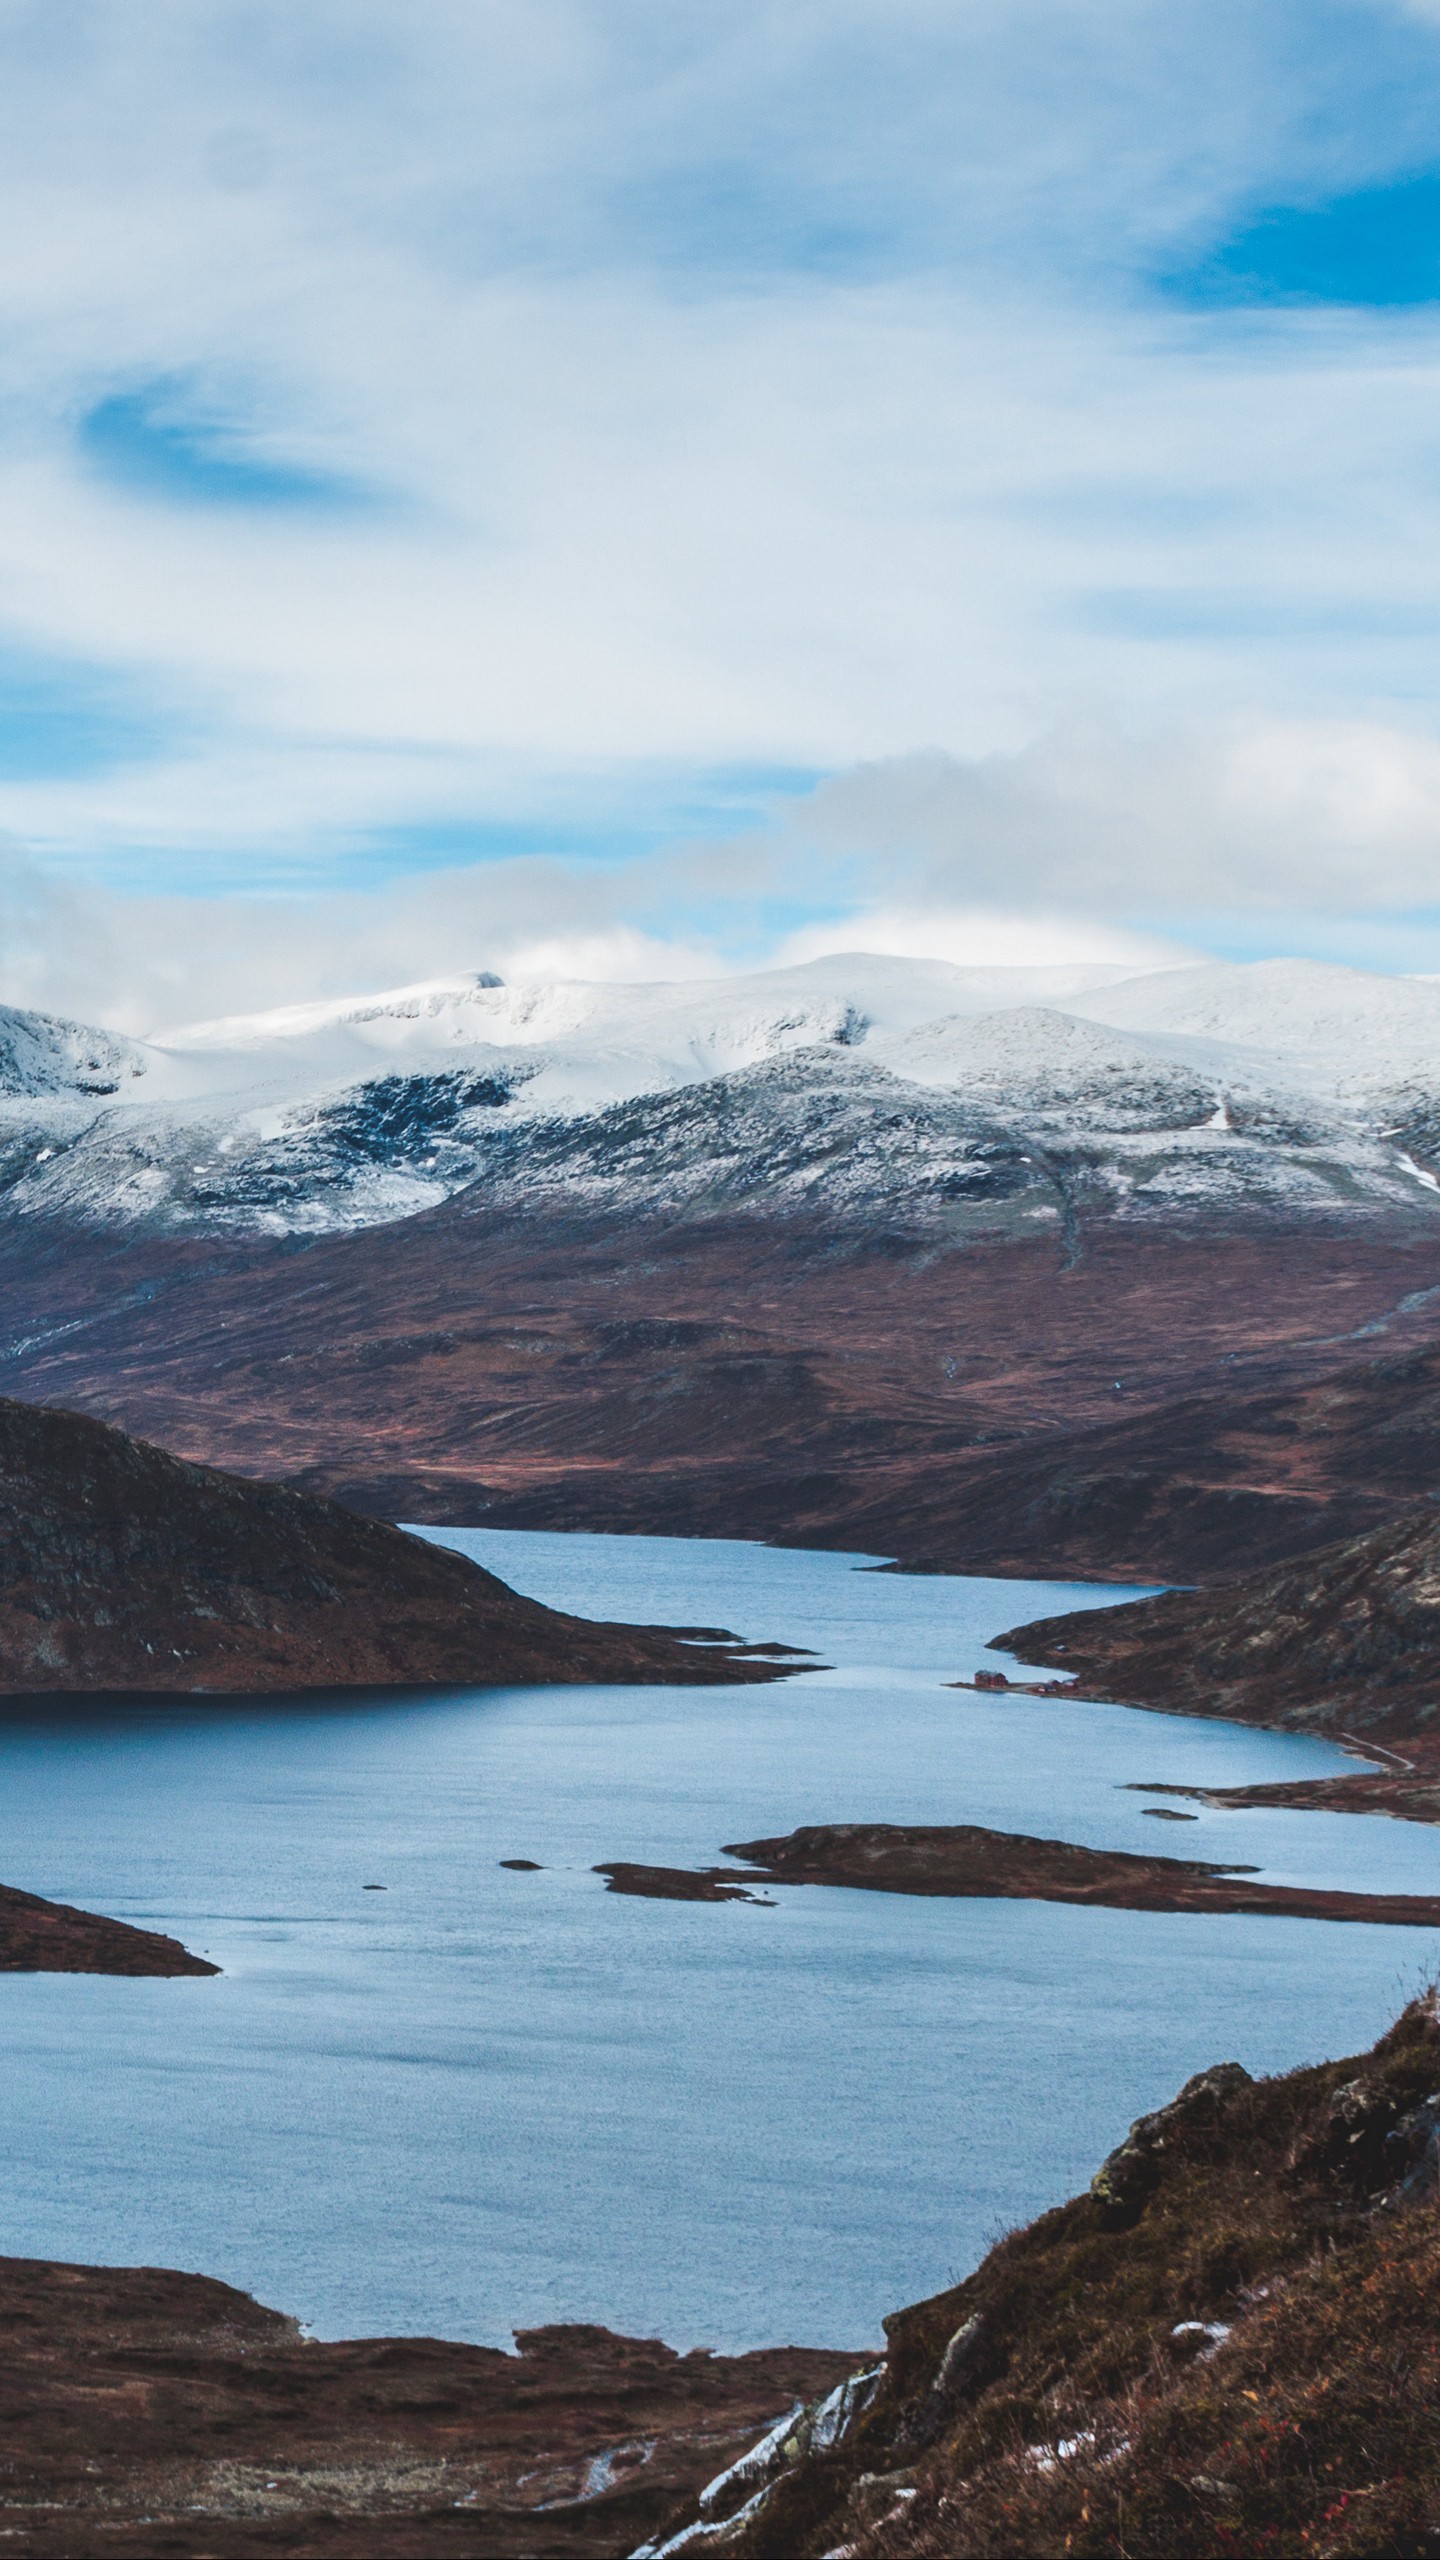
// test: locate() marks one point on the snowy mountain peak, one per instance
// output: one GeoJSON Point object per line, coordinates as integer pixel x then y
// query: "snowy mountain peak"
{"type": "Point", "coordinates": [424, 1002]}
{"type": "Point", "coordinates": [42, 1054]}
{"type": "Point", "coordinates": [1346, 1029]}
{"type": "Point", "coordinates": [859, 1086]}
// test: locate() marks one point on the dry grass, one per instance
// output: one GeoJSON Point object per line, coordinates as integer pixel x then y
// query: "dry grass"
{"type": "Point", "coordinates": [1084, 2426]}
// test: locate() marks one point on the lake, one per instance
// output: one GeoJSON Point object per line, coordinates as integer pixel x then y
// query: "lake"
{"type": "Point", "coordinates": [482, 2099]}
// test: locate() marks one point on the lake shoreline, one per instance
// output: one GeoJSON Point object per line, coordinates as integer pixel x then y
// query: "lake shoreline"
{"type": "Point", "coordinates": [37, 1936]}
{"type": "Point", "coordinates": [148, 2409]}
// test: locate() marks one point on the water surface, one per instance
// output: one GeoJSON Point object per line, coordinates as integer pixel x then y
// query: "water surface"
{"type": "Point", "coordinates": [482, 2099]}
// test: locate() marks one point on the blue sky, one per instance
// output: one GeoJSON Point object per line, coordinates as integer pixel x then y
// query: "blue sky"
{"type": "Point", "coordinates": [628, 445]}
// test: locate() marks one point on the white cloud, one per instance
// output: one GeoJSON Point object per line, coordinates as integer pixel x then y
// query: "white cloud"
{"type": "Point", "coordinates": [620, 955]}
{"type": "Point", "coordinates": [981, 938]}
{"type": "Point", "coordinates": [1242, 814]}
{"type": "Point", "coordinates": [1092, 845]}
{"type": "Point", "coordinates": [751, 385]}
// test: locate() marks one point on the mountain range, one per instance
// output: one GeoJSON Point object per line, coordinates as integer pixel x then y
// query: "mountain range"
{"type": "Point", "coordinates": [1077, 1270]}
{"type": "Point", "coordinates": [954, 1101]}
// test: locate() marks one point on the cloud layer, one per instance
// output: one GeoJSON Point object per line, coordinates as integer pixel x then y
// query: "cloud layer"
{"type": "Point", "coordinates": [1091, 844]}
{"type": "Point", "coordinates": [558, 431]}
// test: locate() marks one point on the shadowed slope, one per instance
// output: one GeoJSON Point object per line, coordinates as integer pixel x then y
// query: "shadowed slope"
{"type": "Point", "coordinates": [124, 1568]}
{"type": "Point", "coordinates": [1347, 1639]}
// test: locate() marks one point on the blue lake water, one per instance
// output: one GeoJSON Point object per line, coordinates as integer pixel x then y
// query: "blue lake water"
{"type": "Point", "coordinates": [484, 2099]}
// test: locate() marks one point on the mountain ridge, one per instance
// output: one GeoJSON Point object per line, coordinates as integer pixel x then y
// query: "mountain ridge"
{"type": "Point", "coordinates": [872, 1253]}
{"type": "Point", "coordinates": [1292, 1089]}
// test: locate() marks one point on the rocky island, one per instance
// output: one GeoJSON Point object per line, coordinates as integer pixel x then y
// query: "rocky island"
{"type": "Point", "coordinates": [122, 1568]}
{"type": "Point", "coordinates": [964, 1861]}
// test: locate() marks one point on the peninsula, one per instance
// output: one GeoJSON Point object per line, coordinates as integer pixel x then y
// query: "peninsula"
{"type": "Point", "coordinates": [1344, 1643]}
{"type": "Point", "coordinates": [123, 1569]}
{"type": "Point", "coordinates": [52, 1937]}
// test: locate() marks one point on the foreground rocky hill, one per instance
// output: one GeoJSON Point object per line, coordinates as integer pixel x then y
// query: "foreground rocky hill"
{"type": "Point", "coordinates": [1345, 1641]}
{"type": "Point", "coordinates": [1231, 2345]}
{"type": "Point", "coordinates": [124, 1568]}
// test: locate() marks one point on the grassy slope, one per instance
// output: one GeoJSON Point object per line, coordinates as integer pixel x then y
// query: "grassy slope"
{"type": "Point", "coordinates": [1071, 2418]}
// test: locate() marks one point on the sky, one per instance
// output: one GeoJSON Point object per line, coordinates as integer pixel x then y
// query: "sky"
{"type": "Point", "coordinates": [639, 489]}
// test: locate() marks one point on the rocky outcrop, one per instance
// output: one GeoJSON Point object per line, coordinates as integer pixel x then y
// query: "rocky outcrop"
{"type": "Point", "coordinates": [1346, 1642]}
{"type": "Point", "coordinates": [1124, 2183]}
{"type": "Point", "coordinates": [1229, 2345]}
{"type": "Point", "coordinates": [122, 1568]}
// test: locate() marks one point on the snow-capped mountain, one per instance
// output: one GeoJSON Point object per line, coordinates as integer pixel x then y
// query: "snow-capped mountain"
{"type": "Point", "coordinates": [873, 1089]}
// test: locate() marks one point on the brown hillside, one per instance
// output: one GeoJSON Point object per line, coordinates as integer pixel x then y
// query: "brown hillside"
{"type": "Point", "coordinates": [124, 1568]}
{"type": "Point", "coordinates": [1343, 1641]}
{"type": "Point", "coordinates": [1229, 2346]}
{"type": "Point", "coordinates": [1157, 1407]}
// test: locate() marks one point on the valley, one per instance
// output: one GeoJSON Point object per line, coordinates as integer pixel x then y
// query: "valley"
{"type": "Point", "coordinates": [1109, 1281]}
{"type": "Point", "coordinates": [1001, 1288]}
{"type": "Point", "coordinates": [1168, 1406]}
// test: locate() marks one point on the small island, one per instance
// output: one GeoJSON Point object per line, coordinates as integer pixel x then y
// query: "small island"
{"type": "Point", "coordinates": [679, 1884]}
{"type": "Point", "coordinates": [965, 1861]}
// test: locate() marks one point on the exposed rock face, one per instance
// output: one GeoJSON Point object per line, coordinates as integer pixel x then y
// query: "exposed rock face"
{"type": "Point", "coordinates": [123, 1568]}
{"type": "Point", "coordinates": [1344, 1641]}
{"type": "Point", "coordinates": [41, 1055]}
{"type": "Point", "coordinates": [1124, 2184]}
{"type": "Point", "coordinates": [52, 1937]}
{"type": "Point", "coordinates": [150, 2412]}
{"type": "Point", "coordinates": [1230, 2344]}
{"type": "Point", "coordinates": [961, 1859]}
